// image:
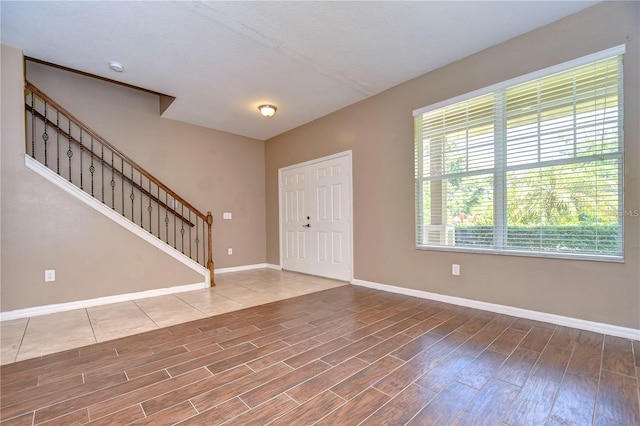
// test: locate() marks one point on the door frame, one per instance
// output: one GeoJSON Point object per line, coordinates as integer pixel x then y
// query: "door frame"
{"type": "Point", "coordinates": [349, 155]}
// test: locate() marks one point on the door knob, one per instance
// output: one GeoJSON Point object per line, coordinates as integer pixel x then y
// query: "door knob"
{"type": "Point", "coordinates": [306, 226]}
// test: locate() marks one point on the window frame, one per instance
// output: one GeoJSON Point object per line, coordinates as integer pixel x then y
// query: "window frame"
{"type": "Point", "coordinates": [502, 168]}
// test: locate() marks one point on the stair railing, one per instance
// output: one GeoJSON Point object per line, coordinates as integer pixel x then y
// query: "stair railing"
{"type": "Point", "coordinates": [61, 142]}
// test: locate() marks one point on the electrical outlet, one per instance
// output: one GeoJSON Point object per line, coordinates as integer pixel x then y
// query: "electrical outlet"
{"type": "Point", "coordinates": [455, 269]}
{"type": "Point", "coordinates": [49, 275]}
{"type": "Point", "coordinates": [229, 251]}
{"type": "Point", "coordinates": [227, 215]}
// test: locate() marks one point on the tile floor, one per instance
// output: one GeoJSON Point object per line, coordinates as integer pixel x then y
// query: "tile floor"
{"type": "Point", "coordinates": [36, 336]}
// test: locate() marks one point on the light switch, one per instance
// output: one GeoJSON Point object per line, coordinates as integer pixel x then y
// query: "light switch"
{"type": "Point", "coordinates": [227, 215]}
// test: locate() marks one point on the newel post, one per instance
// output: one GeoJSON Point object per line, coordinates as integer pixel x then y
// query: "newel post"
{"type": "Point", "coordinates": [210, 251]}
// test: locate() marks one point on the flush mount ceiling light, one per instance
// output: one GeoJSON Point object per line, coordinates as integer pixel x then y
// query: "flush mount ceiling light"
{"type": "Point", "coordinates": [267, 110]}
{"type": "Point", "coordinates": [116, 66]}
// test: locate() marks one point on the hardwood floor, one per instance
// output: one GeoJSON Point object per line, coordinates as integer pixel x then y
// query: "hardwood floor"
{"type": "Point", "coordinates": [343, 356]}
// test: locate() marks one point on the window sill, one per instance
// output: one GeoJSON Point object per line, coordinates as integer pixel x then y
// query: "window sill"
{"type": "Point", "coordinates": [522, 253]}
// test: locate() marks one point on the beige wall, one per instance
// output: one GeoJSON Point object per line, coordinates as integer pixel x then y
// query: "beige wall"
{"type": "Point", "coordinates": [44, 228]}
{"type": "Point", "coordinates": [379, 130]}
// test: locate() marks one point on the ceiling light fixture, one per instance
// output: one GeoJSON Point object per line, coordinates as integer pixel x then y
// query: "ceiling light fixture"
{"type": "Point", "coordinates": [116, 66]}
{"type": "Point", "coordinates": [267, 110]}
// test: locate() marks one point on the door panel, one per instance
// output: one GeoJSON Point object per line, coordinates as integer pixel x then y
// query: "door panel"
{"type": "Point", "coordinates": [295, 211]}
{"type": "Point", "coordinates": [331, 183]}
{"type": "Point", "coordinates": [321, 218]}
{"type": "Point", "coordinates": [337, 248]}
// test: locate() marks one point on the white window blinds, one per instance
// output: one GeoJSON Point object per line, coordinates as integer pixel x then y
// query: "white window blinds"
{"type": "Point", "coordinates": [533, 167]}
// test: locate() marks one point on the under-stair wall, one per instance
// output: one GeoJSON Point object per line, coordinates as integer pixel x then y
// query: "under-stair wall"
{"type": "Point", "coordinates": [44, 228]}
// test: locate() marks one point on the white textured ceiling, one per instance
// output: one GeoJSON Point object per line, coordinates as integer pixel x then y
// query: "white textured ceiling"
{"type": "Point", "coordinates": [223, 59]}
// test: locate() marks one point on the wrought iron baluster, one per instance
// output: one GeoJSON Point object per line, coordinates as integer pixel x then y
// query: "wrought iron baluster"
{"type": "Point", "coordinates": [150, 208]}
{"type": "Point", "coordinates": [69, 151]}
{"type": "Point", "coordinates": [81, 171]}
{"type": "Point", "coordinates": [132, 196]}
{"type": "Point", "coordinates": [113, 184]}
{"type": "Point", "coordinates": [122, 185]}
{"type": "Point", "coordinates": [166, 215]}
{"type": "Point", "coordinates": [158, 198]}
{"type": "Point", "coordinates": [92, 168]}
{"type": "Point", "coordinates": [175, 234]}
{"type": "Point", "coordinates": [182, 229]}
{"type": "Point", "coordinates": [190, 234]}
{"type": "Point", "coordinates": [57, 141]}
{"type": "Point", "coordinates": [197, 242]}
{"type": "Point", "coordinates": [204, 253]}
{"type": "Point", "coordinates": [102, 171]}
{"type": "Point", "coordinates": [33, 126]}
{"type": "Point", "coordinates": [45, 136]}
{"type": "Point", "coordinates": [141, 209]}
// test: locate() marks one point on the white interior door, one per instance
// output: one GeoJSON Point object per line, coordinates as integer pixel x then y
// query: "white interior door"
{"type": "Point", "coordinates": [294, 238]}
{"type": "Point", "coordinates": [315, 217]}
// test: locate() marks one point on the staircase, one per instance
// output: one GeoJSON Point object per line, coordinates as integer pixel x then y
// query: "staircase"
{"type": "Point", "coordinates": [63, 144]}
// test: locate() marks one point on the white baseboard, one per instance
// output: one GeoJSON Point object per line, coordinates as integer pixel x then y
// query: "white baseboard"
{"type": "Point", "coordinates": [613, 330]}
{"type": "Point", "coordinates": [247, 268]}
{"type": "Point", "coordinates": [76, 192]}
{"type": "Point", "coordinates": [81, 304]}
{"type": "Point", "coordinates": [239, 268]}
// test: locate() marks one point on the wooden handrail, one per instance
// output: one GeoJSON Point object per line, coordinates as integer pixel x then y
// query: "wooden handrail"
{"type": "Point", "coordinates": [95, 156]}
{"type": "Point", "coordinates": [115, 150]}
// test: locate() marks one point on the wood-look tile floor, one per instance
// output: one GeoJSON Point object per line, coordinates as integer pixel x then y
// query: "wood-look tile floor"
{"type": "Point", "coordinates": [342, 356]}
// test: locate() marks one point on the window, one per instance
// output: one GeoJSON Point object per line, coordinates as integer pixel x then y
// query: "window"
{"type": "Point", "coordinates": [530, 166]}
